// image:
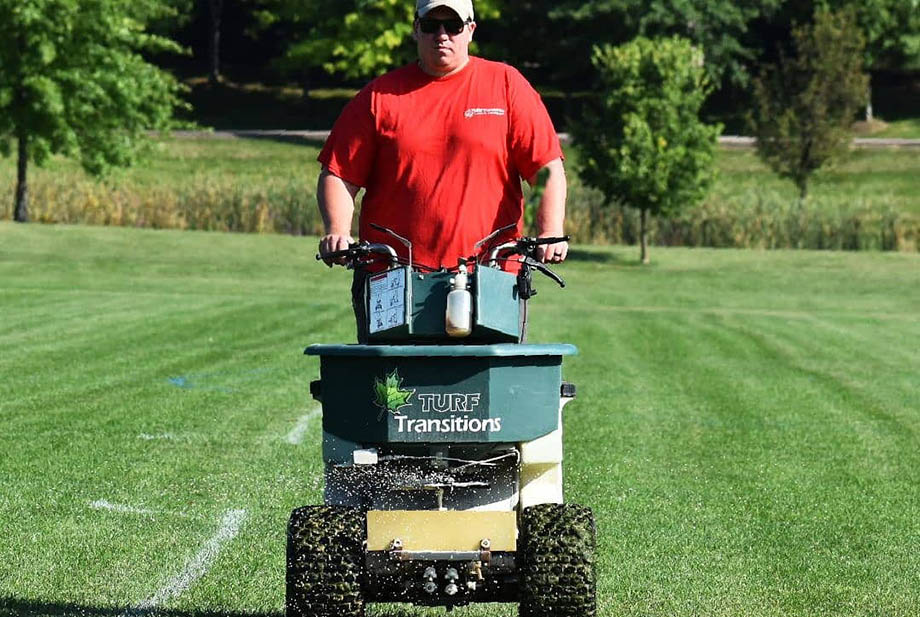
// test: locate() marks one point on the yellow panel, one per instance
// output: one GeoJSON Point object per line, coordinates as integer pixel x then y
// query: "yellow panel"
{"type": "Point", "coordinates": [446, 530]}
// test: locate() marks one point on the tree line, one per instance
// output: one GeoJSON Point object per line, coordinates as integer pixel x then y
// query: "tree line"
{"type": "Point", "coordinates": [310, 41]}
{"type": "Point", "coordinates": [86, 78]}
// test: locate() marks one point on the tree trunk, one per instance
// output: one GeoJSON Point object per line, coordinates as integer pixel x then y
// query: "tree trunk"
{"type": "Point", "coordinates": [306, 84]}
{"type": "Point", "coordinates": [21, 204]}
{"type": "Point", "coordinates": [869, 115]}
{"type": "Point", "coordinates": [643, 236]}
{"type": "Point", "coordinates": [216, 10]}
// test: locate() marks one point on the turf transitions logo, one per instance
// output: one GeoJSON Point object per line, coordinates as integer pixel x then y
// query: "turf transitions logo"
{"type": "Point", "coordinates": [389, 395]}
{"type": "Point", "coordinates": [440, 413]}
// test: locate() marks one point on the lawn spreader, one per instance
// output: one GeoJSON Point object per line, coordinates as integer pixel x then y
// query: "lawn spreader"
{"type": "Point", "coordinates": [442, 444]}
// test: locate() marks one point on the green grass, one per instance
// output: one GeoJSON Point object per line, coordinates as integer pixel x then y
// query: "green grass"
{"type": "Point", "coordinates": [181, 161]}
{"type": "Point", "coordinates": [866, 175]}
{"type": "Point", "coordinates": [747, 427]}
{"type": "Point", "coordinates": [908, 128]}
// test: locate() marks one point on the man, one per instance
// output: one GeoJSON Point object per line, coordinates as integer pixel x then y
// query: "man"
{"type": "Point", "coordinates": [440, 147]}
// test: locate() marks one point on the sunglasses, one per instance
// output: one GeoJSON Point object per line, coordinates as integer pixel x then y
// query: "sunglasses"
{"type": "Point", "coordinates": [452, 26]}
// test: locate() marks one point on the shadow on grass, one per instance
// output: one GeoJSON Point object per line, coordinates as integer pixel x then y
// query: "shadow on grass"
{"type": "Point", "coordinates": [12, 607]}
{"type": "Point", "coordinates": [596, 256]}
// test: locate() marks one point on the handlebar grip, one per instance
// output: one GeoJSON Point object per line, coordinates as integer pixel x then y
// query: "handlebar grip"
{"type": "Point", "coordinates": [336, 254]}
{"type": "Point", "coordinates": [554, 240]}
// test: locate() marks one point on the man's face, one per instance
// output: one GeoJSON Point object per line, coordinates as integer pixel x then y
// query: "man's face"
{"type": "Point", "coordinates": [441, 52]}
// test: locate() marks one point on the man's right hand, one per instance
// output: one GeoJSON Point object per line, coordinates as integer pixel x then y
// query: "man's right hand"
{"type": "Point", "coordinates": [336, 199]}
{"type": "Point", "coordinates": [334, 242]}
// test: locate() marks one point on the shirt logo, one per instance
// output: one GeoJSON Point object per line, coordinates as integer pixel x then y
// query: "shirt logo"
{"type": "Point", "coordinates": [483, 111]}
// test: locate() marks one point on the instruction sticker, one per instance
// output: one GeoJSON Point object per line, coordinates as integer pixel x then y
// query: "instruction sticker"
{"type": "Point", "coordinates": [387, 300]}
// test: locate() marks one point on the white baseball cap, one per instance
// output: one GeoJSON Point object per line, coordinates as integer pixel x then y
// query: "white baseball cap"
{"type": "Point", "coordinates": [463, 8]}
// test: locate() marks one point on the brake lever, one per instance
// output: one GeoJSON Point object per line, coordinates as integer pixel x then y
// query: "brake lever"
{"type": "Point", "coordinates": [533, 263]}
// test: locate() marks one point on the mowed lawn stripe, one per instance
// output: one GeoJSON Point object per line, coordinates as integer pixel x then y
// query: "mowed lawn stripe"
{"type": "Point", "coordinates": [713, 446]}
{"type": "Point", "coordinates": [132, 352]}
{"type": "Point", "coordinates": [96, 373]}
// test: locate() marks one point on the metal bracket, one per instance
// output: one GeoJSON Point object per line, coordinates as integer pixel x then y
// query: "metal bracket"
{"type": "Point", "coordinates": [402, 555]}
{"type": "Point", "coordinates": [316, 390]}
{"type": "Point", "coordinates": [567, 390]}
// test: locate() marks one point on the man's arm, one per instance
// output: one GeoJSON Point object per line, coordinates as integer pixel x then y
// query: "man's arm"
{"type": "Point", "coordinates": [551, 212]}
{"type": "Point", "coordinates": [336, 199]}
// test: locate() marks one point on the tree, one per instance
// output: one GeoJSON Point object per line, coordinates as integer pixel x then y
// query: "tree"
{"type": "Point", "coordinates": [215, 12]}
{"type": "Point", "coordinates": [72, 81]}
{"type": "Point", "coordinates": [805, 105]}
{"type": "Point", "coordinates": [643, 144]}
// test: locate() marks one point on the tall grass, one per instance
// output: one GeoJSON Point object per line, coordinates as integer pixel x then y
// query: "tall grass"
{"type": "Point", "coordinates": [755, 219]}
{"type": "Point", "coordinates": [261, 186]}
{"type": "Point", "coordinates": [868, 201]}
{"type": "Point", "coordinates": [238, 185]}
{"type": "Point", "coordinates": [206, 204]}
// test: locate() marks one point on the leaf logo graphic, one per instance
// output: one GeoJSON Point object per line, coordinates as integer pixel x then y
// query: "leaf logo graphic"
{"type": "Point", "coordinates": [389, 396]}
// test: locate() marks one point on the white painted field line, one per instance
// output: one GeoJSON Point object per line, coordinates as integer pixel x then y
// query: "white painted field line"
{"type": "Point", "coordinates": [102, 504]}
{"type": "Point", "coordinates": [120, 508]}
{"type": "Point", "coordinates": [196, 567]}
{"type": "Point", "coordinates": [300, 429]}
{"type": "Point", "coordinates": [149, 437]}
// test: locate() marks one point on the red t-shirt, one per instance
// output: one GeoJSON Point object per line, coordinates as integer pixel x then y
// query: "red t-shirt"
{"type": "Point", "coordinates": [441, 159]}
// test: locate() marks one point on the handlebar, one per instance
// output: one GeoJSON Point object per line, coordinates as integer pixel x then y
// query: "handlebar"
{"type": "Point", "coordinates": [525, 247]}
{"type": "Point", "coordinates": [355, 252]}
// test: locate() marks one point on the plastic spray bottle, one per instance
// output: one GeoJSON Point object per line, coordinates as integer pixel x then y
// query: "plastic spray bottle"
{"type": "Point", "coordinates": [459, 318]}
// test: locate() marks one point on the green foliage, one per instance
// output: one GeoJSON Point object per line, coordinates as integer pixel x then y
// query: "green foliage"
{"type": "Point", "coordinates": [805, 105]}
{"type": "Point", "coordinates": [353, 38]}
{"type": "Point", "coordinates": [721, 28]}
{"type": "Point", "coordinates": [73, 81]}
{"type": "Point", "coordinates": [891, 28]}
{"type": "Point", "coordinates": [644, 144]}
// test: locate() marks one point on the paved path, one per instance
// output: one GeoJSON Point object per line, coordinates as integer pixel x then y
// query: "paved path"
{"type": "Point", "coordinates": [735, 141]}
{"type": "Point", "coordinates": [729, 141]}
